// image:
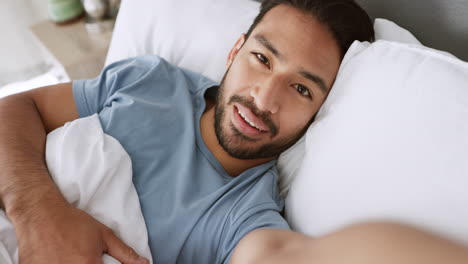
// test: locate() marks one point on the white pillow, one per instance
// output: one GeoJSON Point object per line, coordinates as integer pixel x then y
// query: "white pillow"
{"type": "Point", "coordinates": [196, 35]}
{"type": "Point", "coordinates": [388, 30]}
{"type": "Point", "coordinates": [290, 161]}
{"type": "Point", "coordinates": [390, 143]}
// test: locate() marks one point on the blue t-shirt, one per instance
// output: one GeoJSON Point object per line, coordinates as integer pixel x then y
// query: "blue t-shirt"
{"type": "Point", "coordinates": [194, 211]}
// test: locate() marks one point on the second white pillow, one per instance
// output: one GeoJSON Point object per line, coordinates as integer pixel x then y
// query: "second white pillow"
{"type": "Point", "coordinates": [390, 143]}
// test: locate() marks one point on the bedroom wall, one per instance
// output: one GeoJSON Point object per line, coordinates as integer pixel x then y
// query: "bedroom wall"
{"type": "Point", "coordinates": [441, 24]}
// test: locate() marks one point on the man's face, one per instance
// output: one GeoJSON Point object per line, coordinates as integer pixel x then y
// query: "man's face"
{"type": "Point", "coordinates": [276, 82]}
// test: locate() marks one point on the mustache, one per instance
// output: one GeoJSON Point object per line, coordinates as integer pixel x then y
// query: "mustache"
{"type": "Point", "coordinates": [264, 116]}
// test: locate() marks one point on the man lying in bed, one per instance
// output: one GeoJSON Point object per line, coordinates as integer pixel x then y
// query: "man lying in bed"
{"type": "Point", "coordinates": [203, 157]}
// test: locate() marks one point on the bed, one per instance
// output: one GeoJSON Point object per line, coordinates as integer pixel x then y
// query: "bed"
{"type": "Point", "coordinates": [408, 127]}
{"type": "Point", "coordinates": [390, 141]}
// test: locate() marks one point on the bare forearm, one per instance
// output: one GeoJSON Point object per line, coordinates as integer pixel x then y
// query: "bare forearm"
{"type": "Point", "coordinates": [24, 178]}
{"type": "Point", "coordinates": [381, 243]}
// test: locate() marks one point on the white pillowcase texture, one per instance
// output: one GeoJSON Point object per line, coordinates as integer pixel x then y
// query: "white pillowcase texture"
{"type": "Point", "coordinates": [390, 142]}
{"type": "Point", "coordinates": [196, 35]}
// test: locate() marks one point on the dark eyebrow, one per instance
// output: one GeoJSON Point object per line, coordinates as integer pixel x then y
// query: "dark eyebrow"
{"type": "Point", "coordinates": [316, 79]}
{"type": "Point", "coordinates": [267, 44]}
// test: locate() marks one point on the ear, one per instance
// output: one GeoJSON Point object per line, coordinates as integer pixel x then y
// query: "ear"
{"type": "Point", "coordinates": [233, 53]}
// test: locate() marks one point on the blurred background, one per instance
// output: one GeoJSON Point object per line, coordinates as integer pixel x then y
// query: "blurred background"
{"type": "Point", "coordinates": [44, 42]}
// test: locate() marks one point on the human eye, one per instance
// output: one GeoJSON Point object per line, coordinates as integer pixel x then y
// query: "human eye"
{"type": "Point", "coordinates": [303, 90]}
{"type": "Point", "coordinates": [262, 58]}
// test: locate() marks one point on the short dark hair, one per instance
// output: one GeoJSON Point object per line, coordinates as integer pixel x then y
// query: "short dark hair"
{"type": "Point", "coordinates": [345, 18]}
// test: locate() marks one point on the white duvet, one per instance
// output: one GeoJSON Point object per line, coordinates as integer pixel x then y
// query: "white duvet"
{"type": "Point", "coordinates": [94, 173]}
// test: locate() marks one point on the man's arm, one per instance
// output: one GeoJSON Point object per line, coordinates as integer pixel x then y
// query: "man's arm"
{"type": "Point", "coordinates": [43, 220]}
{"type": "Point", "coordinates": [382, 243]}
{"type": "Point", "coordinates": [26, 119]}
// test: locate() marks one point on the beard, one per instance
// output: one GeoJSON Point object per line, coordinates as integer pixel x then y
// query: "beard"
{"type": "Point", "coordinates": [234, 143]}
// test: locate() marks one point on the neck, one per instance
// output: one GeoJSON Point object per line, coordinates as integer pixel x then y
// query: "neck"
{"type": "Point", "coordinates": [231, 165]}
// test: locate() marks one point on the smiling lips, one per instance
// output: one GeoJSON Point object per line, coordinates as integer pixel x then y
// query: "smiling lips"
{"type": "Point", "coordinates": [247, 122]}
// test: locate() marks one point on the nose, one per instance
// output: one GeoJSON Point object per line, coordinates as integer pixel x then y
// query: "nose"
{"type": "Point", "coordinates": [267, 94]}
